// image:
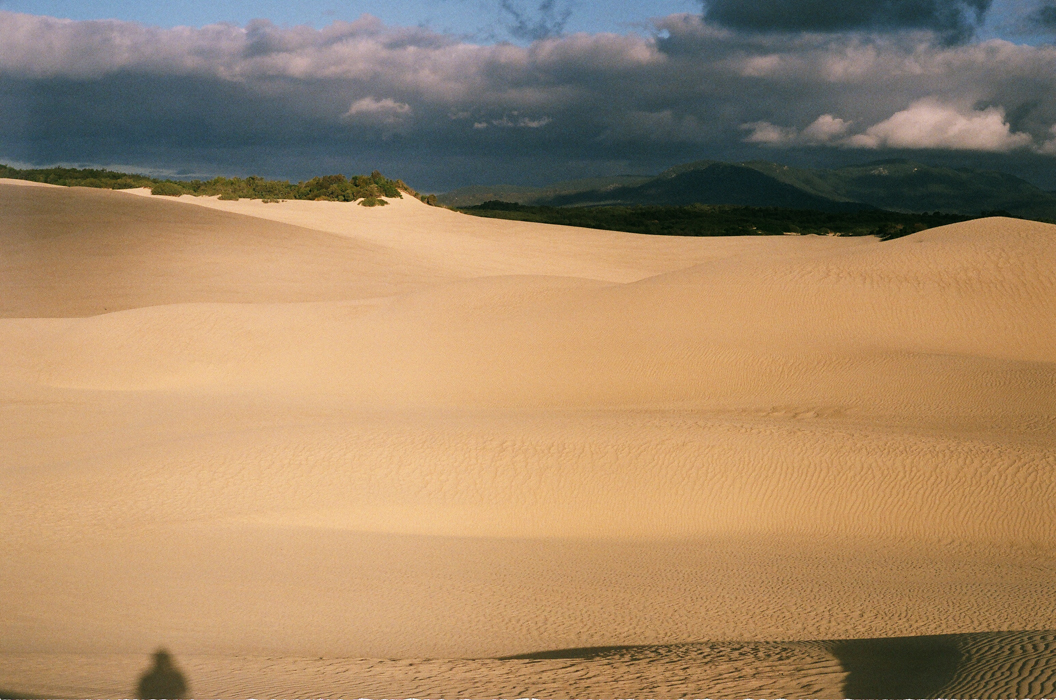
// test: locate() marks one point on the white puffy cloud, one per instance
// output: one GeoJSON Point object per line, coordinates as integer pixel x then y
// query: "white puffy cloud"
{"type": "Point", "coordinates": [384, 111]}
{"type": "Point", "coordinates": [929, 123]}
{"type": "Point", "coordinates": [826, 129]}
{"type": "Point", "coordinates": [1049, 147]}
{"type": "Point", "coordinates": [925, 124]}
{"type": "Point", "coordinates": [763, 132]}
{"type": "Point", "coordinates": [513, 121]}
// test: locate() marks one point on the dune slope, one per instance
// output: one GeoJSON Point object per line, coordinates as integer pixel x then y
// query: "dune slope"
{"type": "Point", "coordinates": [312, 428]}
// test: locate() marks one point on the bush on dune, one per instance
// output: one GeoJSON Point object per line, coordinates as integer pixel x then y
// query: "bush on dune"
{"type": "Point", "coordinates": [78, 177]}
{"type": "Point", "coordinates": [368, 189]}
{"type": "Point", "coordinates": [338, 188]}
{"type": "Point", "coordinates": [167, 189]}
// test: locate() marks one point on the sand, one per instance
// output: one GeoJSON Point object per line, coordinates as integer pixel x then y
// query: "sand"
{"type": "Point", "coordinates": [370, 451]}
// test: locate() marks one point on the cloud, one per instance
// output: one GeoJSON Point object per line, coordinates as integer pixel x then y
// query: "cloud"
{"type": "Point", "coordinates": [1049, 147]}
{"type": "Point", "coordinates": [513, 121]}
{"type": "Point", "coordinates": [373, 110]}
{"type": "Point", "coordinates": [826, 129]}
{"type": "Point", "coordinates": [955, 18]}
{"type": "Point", "coordinates": [656, 127]}
{"type": "Point", "coordinates": [281, 100]}
{"type": "Point", "coordinates": [926, 124]}
{"type": "Point", "coordinates": [770, 134]}
{"type": "Point", "coordinates": [1044, 16]}
{"type": "Point", "coordinates": [932, 124]}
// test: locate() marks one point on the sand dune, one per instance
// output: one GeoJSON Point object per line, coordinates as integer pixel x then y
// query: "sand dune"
{"type": "Point", "coordinates": [82, 252]}
{"type": "Point", "coordinates": [315, 429]}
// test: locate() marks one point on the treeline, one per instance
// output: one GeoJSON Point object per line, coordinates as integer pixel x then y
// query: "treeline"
{"type": "Point", "coordinates": [722, 220]}
{"type": "Point", "coordinates": [76, 177]}
{"type": "Point", "coordinates": [366, 189]}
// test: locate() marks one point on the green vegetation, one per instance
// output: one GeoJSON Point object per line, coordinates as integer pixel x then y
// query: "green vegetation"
{"type": "Point", "coordinates": [73, 177]}
{"type": "Point", "coordinates": [168, 189]}
{"type": "Point", "coordinates": [722, 220]}
{"type": "Point", "coordinates": [367, 189]}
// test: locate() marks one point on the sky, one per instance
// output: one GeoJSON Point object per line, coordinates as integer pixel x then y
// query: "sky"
{"type": "Point", "coordinates": [457, 92]}
{"type": "Point", "coordinates": [480, 20]}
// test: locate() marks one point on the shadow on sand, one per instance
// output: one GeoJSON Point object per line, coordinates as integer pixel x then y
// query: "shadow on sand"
{"type": "Point", "coordinates": [898, 667]}
{"type": "Point", "coordinates": [163, 679]}
{"type": "Point", "coordinates": [895, 667]}
{"type": "Point", "coordinates": [577, 653]}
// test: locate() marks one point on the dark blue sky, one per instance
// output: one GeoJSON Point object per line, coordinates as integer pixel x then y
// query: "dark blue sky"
{"type": "Point", "coordinates": [460, 92]}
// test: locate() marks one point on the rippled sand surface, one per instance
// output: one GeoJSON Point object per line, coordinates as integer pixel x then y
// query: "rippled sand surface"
{"type": "Point", "coordinates": [313, 442]}
{"type": "Point", "coordinates": [996, 665]}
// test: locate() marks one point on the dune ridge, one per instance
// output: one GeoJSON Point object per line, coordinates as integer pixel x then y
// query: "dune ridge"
{"type": "Point", "coordinates": [312, 428]}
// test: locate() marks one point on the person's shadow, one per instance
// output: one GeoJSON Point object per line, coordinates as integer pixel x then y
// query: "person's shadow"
{"type": "Point", "coordinates": [163, 681]}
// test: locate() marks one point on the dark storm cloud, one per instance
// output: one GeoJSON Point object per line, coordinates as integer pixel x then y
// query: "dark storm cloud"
{"type": "Point", "coordinates": [1044, 17]}
{"type": "Point", "coordinates": [951, 18]}
{"type": "Point", "coordinates": [440, 112]}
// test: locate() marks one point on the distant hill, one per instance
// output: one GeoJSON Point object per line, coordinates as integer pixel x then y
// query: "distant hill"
{"type": "Point", "coordinates": [902, 185]}
{"type": "Point", "coordinates": [477, 194]}
{"type": "Point", "coordinates": [893, 185]}
{"type": "Point", "coordinates": [711, 183]}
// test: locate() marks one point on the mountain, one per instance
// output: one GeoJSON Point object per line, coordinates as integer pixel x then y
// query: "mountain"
{"type": "Point", "coordinates": [902, 185]}
{"type": "Point", "coordinates": [894, 185]}
{"type": "Point", "coordinates": [711, 183]}
{"type": "Point", "coordinates": [476, 194]}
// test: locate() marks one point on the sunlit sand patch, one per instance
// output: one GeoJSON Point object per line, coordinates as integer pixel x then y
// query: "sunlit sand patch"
{"type": "Point", "coordinates": [282, 432]}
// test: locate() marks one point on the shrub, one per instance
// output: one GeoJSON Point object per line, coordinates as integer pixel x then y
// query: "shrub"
{"type": "Point", "coordinates": [167, 189]}
{"type": "Point", "coordinates": [336, 187]}
{"type": "Point", "coordinates": [372, 201]}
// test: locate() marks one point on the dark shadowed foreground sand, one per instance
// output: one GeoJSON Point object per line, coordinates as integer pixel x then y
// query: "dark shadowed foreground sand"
{"type": "Point", "coordinates": [319, 449]}
{"type": "Point", "coordinates": [992, 665]}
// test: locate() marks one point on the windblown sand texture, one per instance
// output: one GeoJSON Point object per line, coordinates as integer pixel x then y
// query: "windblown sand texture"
{"type": "Point", "coordinates": [320, 442]}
